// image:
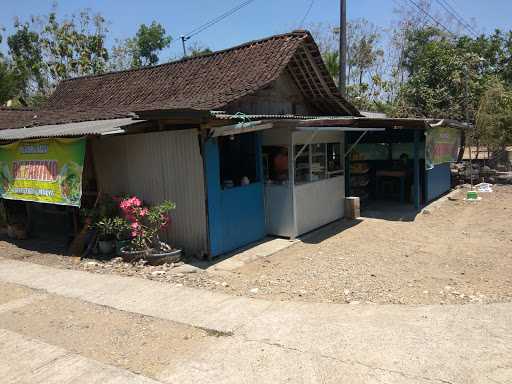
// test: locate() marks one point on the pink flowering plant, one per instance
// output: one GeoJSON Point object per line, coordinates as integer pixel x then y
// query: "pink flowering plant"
{"type": "Point", "coordinates": [145, 222]}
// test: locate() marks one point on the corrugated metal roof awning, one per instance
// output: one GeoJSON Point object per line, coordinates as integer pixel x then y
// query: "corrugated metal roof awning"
{"type": "Point", "coordinates": [236, 129]}
{"type": "Point", "coordinates": [96, 127]}
{"type": "Point", "coordinates": [339, 129]}
{"type": "Point", "coordinates": [388, 122]}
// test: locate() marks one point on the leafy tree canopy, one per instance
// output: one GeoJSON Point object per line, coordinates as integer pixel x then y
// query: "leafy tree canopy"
{"type": "Point", "coordinates": [494, 116]}
{"type": "Point", "coordinates": [45, 50]}
{"type": "Point", "coordinates": [148, 42]}
{"type": "Point", "coordinates": [141, 50]}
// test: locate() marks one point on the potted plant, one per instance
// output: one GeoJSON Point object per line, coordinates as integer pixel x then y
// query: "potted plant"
{"type": "Point", "coordinates": [106, 230]}
{"type": "Point", "coordinates": [146, 223]}
{"type": "Point", "coordinates": [122, 233]}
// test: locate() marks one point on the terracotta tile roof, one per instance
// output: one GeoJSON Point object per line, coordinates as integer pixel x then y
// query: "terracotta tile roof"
{"type": "Point", "coordinates": [14, 117]}
{"type": "Point", "coordinates": [206, 82]}
{"type": "Point", "coordinates": [18, 118]}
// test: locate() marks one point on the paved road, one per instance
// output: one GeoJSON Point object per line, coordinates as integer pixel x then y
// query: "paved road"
{"type": "Point", "coordinates": [275, 342]}
{"type": "Point", "coordinates": [29, 361]}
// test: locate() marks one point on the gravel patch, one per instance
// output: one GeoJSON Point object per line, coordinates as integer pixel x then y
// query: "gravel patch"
{"type": "Point", "coordinates": [458, 253]}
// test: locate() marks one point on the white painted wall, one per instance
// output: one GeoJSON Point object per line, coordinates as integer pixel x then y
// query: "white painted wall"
{"type": "Point", "coordinates": [293, 211]}
{"type": "Point", "coordinates": [279, 216]}
{"type": "Point", "coordinates": [319, 203]}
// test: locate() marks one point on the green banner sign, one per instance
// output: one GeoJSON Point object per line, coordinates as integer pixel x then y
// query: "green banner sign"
{"type": "Point", "coordinates": [442, 146]}
{"type": "Point", "coordinates": [43, 171]}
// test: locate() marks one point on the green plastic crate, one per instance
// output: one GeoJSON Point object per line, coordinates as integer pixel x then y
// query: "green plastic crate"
{"type": "Point", "coordinates": [472, 195]}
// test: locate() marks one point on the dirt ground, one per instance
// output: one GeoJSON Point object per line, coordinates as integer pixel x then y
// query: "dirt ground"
{"type": "Point", "coordinates": [12, 292]}
{"type": "Point", "coordinates": [138, 343]}
{"type": "Point", "coordinates": [457, 252]}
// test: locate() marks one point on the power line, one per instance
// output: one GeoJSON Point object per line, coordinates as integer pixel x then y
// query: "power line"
{"type": "Point", "coordinates": [211, 23]}
{"type": "Point", "coordinates": [465, 23]}
{"type": "Point", "coordinates": [465, 67]}
{"type": "Point", "coordinates": [217, 19]}
{"type": "Point", "coordinates": [431, 17]}
{"type": "Point", "coordinates": [448, 8]}
{"type": "Point", "coordinates": [307, 13]}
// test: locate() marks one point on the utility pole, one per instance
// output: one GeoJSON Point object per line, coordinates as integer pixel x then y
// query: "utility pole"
{"type": "Point", "coordinates": [466, 107]}
{"type": "Point", "coordinates": [343, 48]}
{"type": "Point", "coordinates": [183, 40]}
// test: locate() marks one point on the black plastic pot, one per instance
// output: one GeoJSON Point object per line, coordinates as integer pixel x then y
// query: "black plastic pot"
{"type": "Point", "coordinates": [151, 257]}
{"type": "Point", "coordinates": [130, 256]}
{"type": "Point", "coordinates": [163, 257]}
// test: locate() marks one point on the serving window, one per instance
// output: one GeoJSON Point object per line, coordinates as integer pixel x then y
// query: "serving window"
{"type": "Point", "coordinates": [238, 160]}
{"type": "Point", "coordinates": [302, 165]}
{"type": "Point", "coordinates": [275, 164]}
{"type": "Point", "coordinates": [317, 161]}
{"type": "Point", "coordinates": [334, 160]}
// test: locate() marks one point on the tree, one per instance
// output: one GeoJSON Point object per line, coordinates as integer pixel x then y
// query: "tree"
{"type": "Point", "coordinates": [9, 86]}
{"type": "Point", "coordinates": [439, 70]}
{"type": "Point", "coordinates": [365, 58]}
{"type": "Point", "coordinates": [75, 46]}
{"type": "Point", "coordinates": [494, 116]}
{"type": "Point", "coordinates": [122, 55]}
{"type": "Point", "coordinates": [197, 49]}
{"type": "Point", "coordinates": [332, 62]}
{"type": "Point", "coordinates": [46, 50]}
{"type": "Point", "coordinates": [148, 42]}
{"type": "Point", "coordinates": [26, 52]}
{"type": "Point", "coordinates": [495, 52]}
{"type": "Point", "coordinates": [141, 50]}
{"type": "Point", "coordinates": [363, 50]}
{"type": "Point", "coordinates": [326, 38]}
{"type": "Point", "coordinates": [409, 20]}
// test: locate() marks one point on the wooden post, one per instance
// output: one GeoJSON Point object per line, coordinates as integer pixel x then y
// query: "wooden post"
{"type": "Point", "coordinates": [291, 182]}
{"type": "Point", "coordinates": [417, 189]}
{"type": "Point", "coordinates": [347, 164]}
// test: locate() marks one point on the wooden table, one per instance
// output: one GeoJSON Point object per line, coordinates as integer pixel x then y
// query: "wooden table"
{"type": "Point", "coordinates": [395, 174]}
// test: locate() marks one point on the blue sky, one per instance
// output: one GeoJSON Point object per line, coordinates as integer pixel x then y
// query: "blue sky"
{"type": "Point", "coordinates": [259, 19]}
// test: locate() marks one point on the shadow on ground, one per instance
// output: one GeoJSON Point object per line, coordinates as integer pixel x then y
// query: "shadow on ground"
{"type": "Point", "coordinates": [52, 245]}
{"type": "Point", "coordinates": [384, 210]}
{"type": "Point", "coordinates": [319, 235]}
{"type": "Point", "coordinates": [271, 245]}
{"type": "Point", "coordinates": [390, 211]}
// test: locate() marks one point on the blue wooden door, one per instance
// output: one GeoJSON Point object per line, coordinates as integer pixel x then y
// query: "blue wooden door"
{"type": "Point", "coordinates": [236, 215]}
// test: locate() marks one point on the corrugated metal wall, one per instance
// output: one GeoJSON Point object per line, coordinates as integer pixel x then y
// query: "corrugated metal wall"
{"type": "Point", "coordinates": [156, 167]}
{"type": "Point", "coordinates": [438, 181]}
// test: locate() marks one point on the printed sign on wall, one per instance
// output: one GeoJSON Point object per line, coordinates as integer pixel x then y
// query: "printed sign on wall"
{"type": "Point", "coordinates": [442, 146]}
{"type": "Point", "coordinates": [43, 171]}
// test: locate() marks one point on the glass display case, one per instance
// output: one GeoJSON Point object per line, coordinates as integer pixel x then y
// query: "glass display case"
{"type": "Point", "coordinates": [318, 162]}
{"type": "Point", "coordinates": [302, 165]}
{"type": "Point", "coordinates": [334, 160]}
{"type": "Point", "coordinates": [304, 180]}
